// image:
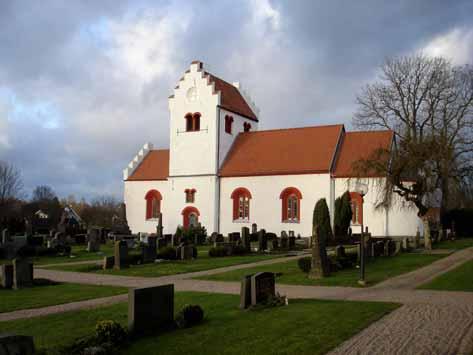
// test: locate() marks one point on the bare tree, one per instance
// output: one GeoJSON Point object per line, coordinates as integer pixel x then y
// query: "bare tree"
{"type": "Point", "coordinates": [428, 103]}
{"type": "Point", "coordinates": [43, 193]}
{"type": "Point", "coordinates": [11, 183]}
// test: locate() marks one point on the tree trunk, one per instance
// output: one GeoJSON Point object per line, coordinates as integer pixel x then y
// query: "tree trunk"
{"type": "Point", "coordinates": [427, 236]}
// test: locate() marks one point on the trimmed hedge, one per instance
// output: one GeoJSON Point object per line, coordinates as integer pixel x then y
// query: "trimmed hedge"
{"type": "Point", "coordinates": [217, 252]}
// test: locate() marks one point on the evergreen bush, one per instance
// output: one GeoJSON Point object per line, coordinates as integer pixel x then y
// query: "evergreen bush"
{"type": "Point", "coordinates": [189, 315]}
{"type": "Point", "coordinates": [342, 216]}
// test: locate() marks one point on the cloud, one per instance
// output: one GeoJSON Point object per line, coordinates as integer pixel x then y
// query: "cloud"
{"type": "Point", "coordinates": [457, 45]}
{"type": "Point", "coordinates": [83, 85]}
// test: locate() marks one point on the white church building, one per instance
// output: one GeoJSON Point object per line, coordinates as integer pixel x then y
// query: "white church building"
{"type": "Point", "coordinates": [223, 172]}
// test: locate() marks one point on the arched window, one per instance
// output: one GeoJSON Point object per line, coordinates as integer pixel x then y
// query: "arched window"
{"type": "Point", "coordinates": [228, 124]}
{"type": "Point", "coordinates": [291, 205]}
{"type": "Point", "coordinates": [356, 202]}
{"type": "Point", "coordinates": [190, 217]}
{"type": "Point", "coordinates": [192, 121]}
{"type": "Point", "coordinates": [190, 195]}
{"type": "Point", "coordinates": [246, 127]}
{"type": "Point", "coordinates": [153, 204]}
{"type": "Point", "coordinates": [241, 204]}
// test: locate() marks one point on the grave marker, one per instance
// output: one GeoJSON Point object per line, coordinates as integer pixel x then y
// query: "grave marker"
{"type": "Point", "coordinates": [121, 255]}
{"type": "Point", "coordinates": [262, 287]}
{"type": "Point", "coordinates": [22, 273]}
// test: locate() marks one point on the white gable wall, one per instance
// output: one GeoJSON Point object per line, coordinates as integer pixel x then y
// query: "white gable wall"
{"type": "Point", "coordinates": [225, 139]}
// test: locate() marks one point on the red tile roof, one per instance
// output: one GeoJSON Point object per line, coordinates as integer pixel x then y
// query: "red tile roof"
{"type": "Point", "coordinates": [360, 145]}
{"type": "Point", "coordinates": [283, 151]}
{"type": "Point", "coordinates": [155, 166]}
{"type": "Point", "coordinates": [231, 98]}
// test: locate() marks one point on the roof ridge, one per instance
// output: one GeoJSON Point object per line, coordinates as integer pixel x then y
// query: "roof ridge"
{"type": "Point", "coordinates": [292, 128]}
{"type": "Point", "coordinates": [372, 131]}
{"type": "Point", "coordinates": [159, 150]}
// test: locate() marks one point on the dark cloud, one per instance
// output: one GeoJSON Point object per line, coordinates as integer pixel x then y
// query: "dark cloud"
{"type": "Point", "coordinates": [84, 84]}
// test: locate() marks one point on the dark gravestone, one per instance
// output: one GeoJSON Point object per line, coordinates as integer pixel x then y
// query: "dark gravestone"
{"type": "Point", "coordinates": [186, 252]}
{"type": "Point", "coordinates": [16, 344]}
{"type": "Point", "coordinates": [121, 255]}
{"type": "Point", "coordinates": [93, 240]}
{"type": "Point", "coordinates": [159, 227]}
{"type": "Point", "coordinates": [254, 228]}
{"type": "Point", "coordinates": [22, 273]}
{"type": "Point", "coordinates": [284, 240]}
{"type": "Point", "coordinates": [262, 287]}
{"type": "Point", "coordinates": [149, 253]}
{"type": "Point", "coordinates": [219, 240]}
{"type": "Point", "coordinates": [212, 237]}
{"type": "Point", "coordinates": [6, 275]}
{"type": "Point", "coordinates": [175, 240]}
{"type": "Point", "coordinates": [275, 243]}
{"type": "Point", "coordinates": [245, 292]}
{"type": "Point", "coordinates": [108, 262]}
{"type": "Point", "coordinates": [245, 238]}
{"type": "Point", "coordinates": [150, 308]}
{"type": "Point", "coordinates": [291, 242]}
{"type": "Point", "coordinates": [161, 243]}
{"type": "Point", "coordinates": [262, 240]}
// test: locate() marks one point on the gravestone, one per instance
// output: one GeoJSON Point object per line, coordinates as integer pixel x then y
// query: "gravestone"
{"type": "Point", "coordinates": [234, 237]}
{"type": "Point", "coordinates": [340, 251]}
{"type": "Point", "coordinates": [93, 240]}
{"type": "Point", "coordinates": [416, 240]}
{"type": "Point", "coordinates": [11, 344]}
{"type": "Point", "coordinates": [291, 234]}
{"type": "Point", "coordinates": [218, 240]}
{"type": "Point", "coordinates": [175, 240]}
{"type": "Point", "coordinates": [148, 251]}
{"type": "Point", "coordinates": [245, 291]}
{"type": "Point", "coordinates": [6, 275]}
{"type": "Point", "coordinates": [262, 287]}
{"type": "Point", "coordinates": [5, 236]}
{"type": "Point", "coordinates": [262, 240]}
{"type": "Point", "coordinates": [22, 273]}
{"type": "Point", "coordinates": [121, 255]}
{"type": "Point", "coordinates": [185, 252]}
{"type": "Point", "coordinates": [291, 242]}
{"type": "Point", "coordinates": [150, 308]}
{"type": "Point", "coordinates": [108, 262]}
{"type": "Point", "coordinates": [245, 238]}
{"type": "Point", "coordinates": [275, 243]}
{"type": "Point", "coordinates": [284, 240]}
{"type": "Point", "coordinates": [28, 228]}
{"type": "Point", "coordinates": [254, 228]}
{"type": "Point", "coordinates": [405, 243]}
{"type": "Point", "coordinates": [161, 243]}
{"type": "Point", "coordinates": [212, 237]}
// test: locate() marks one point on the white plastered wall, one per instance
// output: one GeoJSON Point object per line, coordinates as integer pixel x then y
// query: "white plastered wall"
{"type": "Point", "coordinates": [135, 192]}
{"type": "Point", "coordinates": [265, 205]}
{"type": "Point", "coordinates": [398, 221]}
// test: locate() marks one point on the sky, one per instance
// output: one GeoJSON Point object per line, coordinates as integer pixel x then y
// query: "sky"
{"type": "Point", "coordinates": [84, 84]}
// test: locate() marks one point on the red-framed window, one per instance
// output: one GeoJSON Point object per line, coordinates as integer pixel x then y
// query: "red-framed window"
{"type": "Point", "coordinates": [153, 204]}
{"type": "Point", "coordinates": [192, 121]}
{"type": "Point", "coordinates": [291, 205]}
{"type": "Point", "coordinates": [241, 204]}
{"type": "Point", "coordinates": [190, 195]}
{"type": "Point", "coordinates": [190, 217]}
{"type": "Point", "coordinates": [246, 127]}
{"type": "Point", "coordinates": [228, 124]}
{"type": "Point", "coordinates": [356, 202]}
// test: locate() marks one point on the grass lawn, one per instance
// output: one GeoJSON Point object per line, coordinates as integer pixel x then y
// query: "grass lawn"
{"type": "Point", "coordinates": [42, 296]}
{"type": "Point", "coordinates": [303, 327]}
{"type": "Point", "coordinates": [454, 244]}
{"type": "Point", "coordinates": [458, 279]}
{"type": "Point", "coordinates": [203, 262]}
{"type": "Point", "coordinates": [377, 270]}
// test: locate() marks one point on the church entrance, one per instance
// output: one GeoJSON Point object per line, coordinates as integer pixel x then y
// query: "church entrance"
{"type": "Point", "coordinates": [190, 217]}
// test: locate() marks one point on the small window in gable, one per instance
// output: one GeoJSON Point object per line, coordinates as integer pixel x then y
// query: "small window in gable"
{"type": "Point", "coordinates": [228, 124]}
{"type": "Point", "coordinates": [192, 121]}
{"type": "Point", "coordinates": [246, 127]}
{"type": "Point", "coordinates": [190, 195]}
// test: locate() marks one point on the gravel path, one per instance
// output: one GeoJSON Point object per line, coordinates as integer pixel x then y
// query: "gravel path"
{"type": "Point", "coordinates": [429, 322]}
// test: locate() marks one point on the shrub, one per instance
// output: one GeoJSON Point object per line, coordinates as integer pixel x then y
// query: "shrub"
{"type": "Point", "coordinates": [189, 316]}
{"type": "Point", "coordinates": [342, 216]}
{"type": "Point", "coordinates": [109, 331]}
{"type": "Point", "coordinates": [305, 264]}
{"type": "Point", "coordinates": [167, 253]}
{"type": "Point", "coordinates": [217, 252]}
{"type": "Point", "coordinates": [238, 250]}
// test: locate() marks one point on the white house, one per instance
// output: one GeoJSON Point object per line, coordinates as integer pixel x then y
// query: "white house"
{"type": "Point", "coordinates": [223, 172]}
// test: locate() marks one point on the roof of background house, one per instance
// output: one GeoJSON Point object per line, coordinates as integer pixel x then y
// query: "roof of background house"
{"type": "Point", "coordinates": [360, 145]}
{"type": "Point", "coordinates": [231, 98]}
{"type": "Point", "coordinates": [155, 166]}
{"type": "Point", "coordinates": [282, 151]}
